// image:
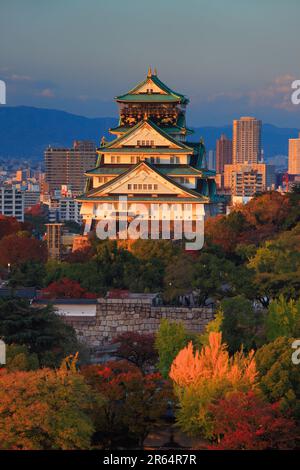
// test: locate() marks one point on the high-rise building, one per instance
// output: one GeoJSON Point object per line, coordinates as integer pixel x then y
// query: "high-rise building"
{"type": "Point", "coordinates": [12, 202]}
{"type": "Point", "coordinates": [246, 145]}
{"type": "Point", "coordinates": [66, 166]}
{"type": "Point", "coordinates": [150, 163]}
{"type": "Point", "coordinates": [294, 156]}
{"type": "Point", "coordinates": [211, 160]}
{"type": "Point", "coordinates": [69, 209]}
{"type": "Point", "coordinates": [31, 198]}
{"type": "Point", "coordinates": [246, 180]}
{"type": "Point", "coordinates": [223, 153]}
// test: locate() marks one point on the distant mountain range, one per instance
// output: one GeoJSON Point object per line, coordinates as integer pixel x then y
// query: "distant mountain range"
{"type": "Point", "coordinates": [25, 132]}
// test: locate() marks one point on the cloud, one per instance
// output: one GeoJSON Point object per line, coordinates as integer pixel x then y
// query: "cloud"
{"type": "Point", "coordinates": [46, 93]}
{"type": "Point", "coordinates": [275, 94]}
{"type": "Point", "coordinates": [20, 78]}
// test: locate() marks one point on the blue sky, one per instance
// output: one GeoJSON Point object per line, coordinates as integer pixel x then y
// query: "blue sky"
{"type": "Point", "coordinates": [230, 57]}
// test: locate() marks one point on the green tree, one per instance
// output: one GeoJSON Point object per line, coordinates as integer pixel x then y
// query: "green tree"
{"type": "Point", "coordinates": [240, 323]}
{"type": "Point", "coordinates": [213, 326]}
{"type": "Point", "coordinates": [163, 250]}
{"type": "Point", "coordinates": [39, 328]}
{"type": "Point", "coordinates": [279, 377]}
{"type": "Point", "coordinates": [28, 274]}
{"type": "Point", "coordinates": [276, 265]}
{"type": "Point", "coordinates": [283, 318]}
{"type": "Point", "coordinates": [170, 338]}
{"type": "Point", "coordinates": [18, 357]}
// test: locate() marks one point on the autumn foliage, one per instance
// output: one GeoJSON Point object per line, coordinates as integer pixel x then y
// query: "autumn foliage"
{"type": "Point", "coordinates": [202, 377]}
{"type": "Point", "coordinates": [66, 289]}
{"type": "Point", "coordinates": [137, 348]}
{"type": "Point", "coordinates": [8, 225]}
{"type": "Point", "coordinates": [17, 249]}
{"type": "Point", "coordinates": [244, 421]}
{"type": "Point", "coordinates": [212, 363]}
{"type": "Point", "coordinates": [254, 222]}
{"type": "Point", "coordinates": [133, 402]}
{"type": "Point", "coordinates": [44, 409]}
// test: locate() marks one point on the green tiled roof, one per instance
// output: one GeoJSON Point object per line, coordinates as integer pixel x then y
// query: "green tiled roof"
{"type": "Point", "coordinates": [148, 98]}
{"type": "Point", "coordinates": [172, 170]}
{"type": "Point", "coordinates": [171, 95]}
{"type": "Point", "coordinates": [169, 130]}
{"type": "Point", "coordinates": [110, 146]}
{"type": "Point", "coordinates": [142, 150]}
{"type": "Point", "coordinates": [192, 192]}
{"type": "Point", "coordinates": [201, 198]}
{"type": "Point", "coordinates": [107, 170]}
{"type": "Point", "coordinates": [177, 170]}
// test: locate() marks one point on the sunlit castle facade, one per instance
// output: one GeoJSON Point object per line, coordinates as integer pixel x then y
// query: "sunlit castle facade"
{"type": "Point", "coordinates": [149, 166]}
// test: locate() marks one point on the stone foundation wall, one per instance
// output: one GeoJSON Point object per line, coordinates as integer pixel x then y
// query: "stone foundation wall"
{"type": "Point", "coordinates": [114, 316]}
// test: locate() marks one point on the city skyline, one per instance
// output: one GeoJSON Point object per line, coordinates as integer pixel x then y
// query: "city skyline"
{"type": "Point", "coordinates": [229, 59]}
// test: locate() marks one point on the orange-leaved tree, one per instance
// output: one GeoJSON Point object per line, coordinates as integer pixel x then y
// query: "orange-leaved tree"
{"type": "Point", "coordinates": [44, 410]}
{"type": "Point", "coordinates": [201, 377]}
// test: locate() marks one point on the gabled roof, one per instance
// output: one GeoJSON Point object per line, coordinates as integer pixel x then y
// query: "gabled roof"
{"type": "Point", "coordinates": [139, 125]}
{"type": "Point", "coordinates": [166, 95]}
{"type": "Point", "coordinates": [175, 129]}
{"type": "Point", "coordinates": [93, 192]}
{"type": "Point", "coordinates": [170, 170]}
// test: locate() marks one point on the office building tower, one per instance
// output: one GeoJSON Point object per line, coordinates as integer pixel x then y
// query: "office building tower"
{"type": "Point", "coordinates": [294, 156]}
{"type": "Point", "coordinates": [66, 166]}
{"type": "Point", "coordinates": [246, 143]}
{"type": "Point", "coordinates": [223, 153]}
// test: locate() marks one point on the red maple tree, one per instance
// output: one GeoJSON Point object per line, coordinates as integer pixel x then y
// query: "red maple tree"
{"type": "Point", "coordinates": [8, 225]}
{"type": "Point", "coordinates": [66, 289]}
{"type": "Point", "coordinates": [17, 249]}
{"type": "Point", "coordinates": [244, 421]}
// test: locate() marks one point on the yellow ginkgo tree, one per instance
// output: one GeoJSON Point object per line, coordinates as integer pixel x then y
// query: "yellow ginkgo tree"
{"type": "Point", "coordinates": [202, 377]}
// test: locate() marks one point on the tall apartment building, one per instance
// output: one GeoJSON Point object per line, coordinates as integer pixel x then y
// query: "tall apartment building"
{"type": "Point", "coordinates": [12, 202]}
{"type": "Point", "coordinates": [294, 156]}
{"type": "Point", "coordinates": [245, 180]}
{"type": "Point", "coordinates": [31, 198]}
{"type": "Point", "coordinates": [69, 209]}
{"type": "Point", "coordinates": [67, 166]}
{"type": "Point", "coordinates": [246, 145]}
{"type": "Point", "coordinates": [223, 153]}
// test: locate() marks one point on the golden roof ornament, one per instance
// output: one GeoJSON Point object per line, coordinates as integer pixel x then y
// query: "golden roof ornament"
{"type": "Point", "coordinates": [155, 72]}
{"type": "Point", "coordinates": [149, 74]}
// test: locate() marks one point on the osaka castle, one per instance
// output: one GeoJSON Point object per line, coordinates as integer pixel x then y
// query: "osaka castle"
{"type": "Point", "coordinates": [149, 174]}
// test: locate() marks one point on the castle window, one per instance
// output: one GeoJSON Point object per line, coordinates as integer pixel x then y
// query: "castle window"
{"type": "Point", "coordinates": [129, 186]}
{"type": "Point", "coordinates": [155, 186]}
